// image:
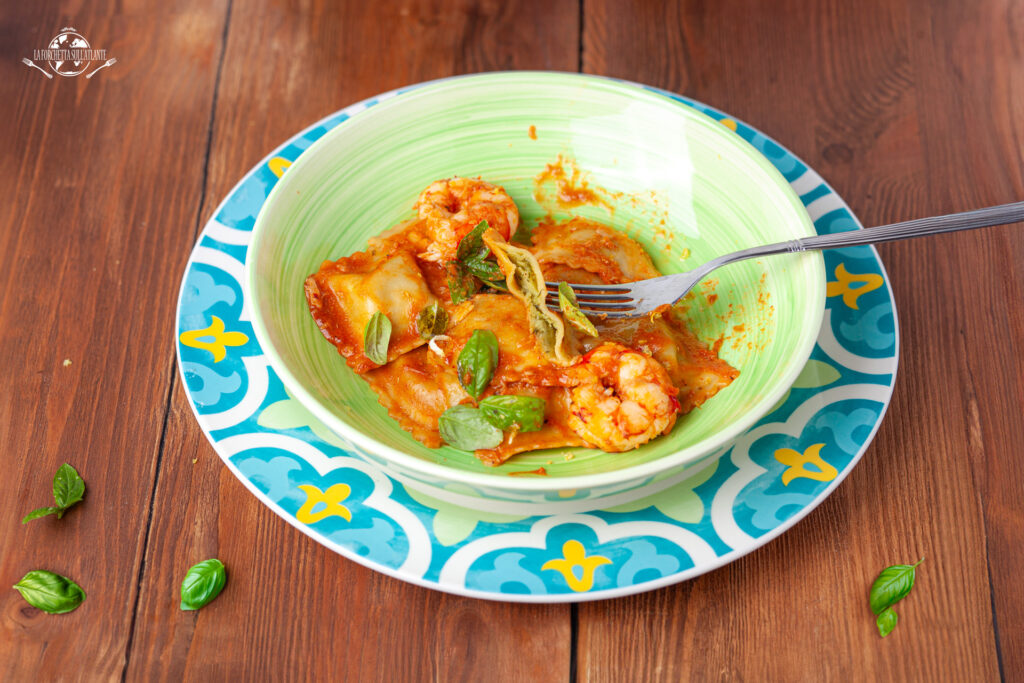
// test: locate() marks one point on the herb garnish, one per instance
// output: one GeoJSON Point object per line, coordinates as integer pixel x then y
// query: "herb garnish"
{"type": "Point", "coordinates": [52, 593]}
{"type": "Point", "coordinates": [431, 321]}
{"type": "Point", "coordinates": [571, 310]}
{"type": "Point", "coordinates": [465, 427]}
{"type": "Point", "coordinates": [68, 489]}
{"type": "Point", "coordinates": [524, 413]}
{"type": "Point", "coordinates": [477, 362]}
{"type": "Point", "coordinates": [472, 253]}
{"type": "Point", "coordinates": [376, 337]}
{"type": "Point", "coordinates": [203, 582]}
{"type": "Point", "coordinates": [891, 586]}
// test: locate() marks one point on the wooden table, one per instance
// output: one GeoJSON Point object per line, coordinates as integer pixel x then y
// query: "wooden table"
{"type": "Point", "coordinates": [908, 109]}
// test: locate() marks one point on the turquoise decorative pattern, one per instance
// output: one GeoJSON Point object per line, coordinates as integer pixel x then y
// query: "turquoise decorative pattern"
{"type": "Point", "coordinates": [769, 478]}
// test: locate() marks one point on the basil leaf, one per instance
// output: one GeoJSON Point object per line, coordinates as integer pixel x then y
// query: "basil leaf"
{"type": "Point", "coordinates": [431, 321]}
{"type": "Point", "coordinates": [465, 427]}
{"type": "Point", "coordinates": [461, 285]}
{"type": "Point", "coordinates": [485, 270]}
{"type": "Point", "coordinates": [498, 284]}
{"type": "Point", "coordinates": [52, 593]}
{"type": "Point", "coordinates": [37, 513]}
{"type": "Point", "coordinates": [571, 310]}
{"type": "Point", "coordinates": [892, 585]}
{"type": "Point", "coordinates": [68, 487]}
{"type": "Point", "coordinates": [526, 413]}
{"type": "Point", "coordinates": [471, 246]}
{"type": "Point", "coordinates": [203, 582]}
{"type": "Point", "coordinates": [477, 361]}
{"type": "Point", "coordinates": [376, 337]}
{"type": "Point", "coordinates": [886, 621]}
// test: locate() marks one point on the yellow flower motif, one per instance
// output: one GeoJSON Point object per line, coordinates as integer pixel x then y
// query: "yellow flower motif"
{"type": "Point", "coordinates": [221, 339]}
{"type": "Point", "coordinates": [798, 464]}
{"type": "Point", "coordinates": [729, 123]}
{"type": "Point", "coordinates": [331, 498]}
{"type": "Point", "coordinates": [278, 165]}
{"type": "Point", "coordinates": [844, 280]}
{"type": "Point", "coordinates": [575, 556]}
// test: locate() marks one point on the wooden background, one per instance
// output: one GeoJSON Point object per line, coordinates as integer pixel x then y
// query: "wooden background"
{"type": "Point", "coordinates": [908, 108]}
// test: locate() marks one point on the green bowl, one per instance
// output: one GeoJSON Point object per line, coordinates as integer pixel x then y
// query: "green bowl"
{"type": "Point", "coordinates": [682, 184]}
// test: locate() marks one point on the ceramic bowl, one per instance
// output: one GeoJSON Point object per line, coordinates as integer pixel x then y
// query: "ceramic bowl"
{"type": "Point", "coordinates": [682, 184]}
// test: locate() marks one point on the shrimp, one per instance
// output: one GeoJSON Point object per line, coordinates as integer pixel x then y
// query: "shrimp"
{"type": "Point", "coordinates": [453, 207]}
{"type": "Point", "coordinates": [620, 398]}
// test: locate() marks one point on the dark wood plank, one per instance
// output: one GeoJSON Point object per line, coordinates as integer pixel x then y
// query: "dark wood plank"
{"type": "Point", "coordinates": [94, 232]}
{"type": "Point", "coordinates": [907, 111]}
{"type": "Point", "coordinates": [293, 609]}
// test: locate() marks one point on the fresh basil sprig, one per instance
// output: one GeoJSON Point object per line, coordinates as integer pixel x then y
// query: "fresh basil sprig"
{"type": "Point", "coordinates": [477, 362]}
{"type": "Point", "coordinates": [473, 253]}
{"type": "Point", "coordinates": [892, 585]}
{"type": "Point", "coordinates": [68, 489]}
{"type": "Point", "coordinates": [376, 337]}
{"type": "Point", "coordinates": [431, 321]}
{"type": "Point", "coordinates": [52, 593]}
{"type": "Point", "coordinates": [465, 427]}
{"type": "Point", "coordinates": [203, 582]}
{"type": "Point", "coordinates": [571, 310]}
{"type": "Point", "coordinates": [525, 413]}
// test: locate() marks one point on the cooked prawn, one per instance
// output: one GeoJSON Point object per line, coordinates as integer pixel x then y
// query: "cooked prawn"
{"type": "Point", "coordinates": [620, 398]}
{"type": "Point", "coordinates": [451, 208]}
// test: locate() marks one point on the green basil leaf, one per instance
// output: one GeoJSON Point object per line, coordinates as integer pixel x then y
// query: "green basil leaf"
{"type": "Point", "coordinates": [571, 310]}
{"type": "Point", "coordinates": [68, 487]}
{"type": "Point", "coordinates": [376, 337]}
{"type": "Point", "coordinates": [461, 285]}
{"type": "Point", "coordinates": [498, 284]}
{"type": "Point", "coordinates": [465, 427]}
{"type": "Point", "coordinates": [37, 513]}
{"type": "Point", "coordinates": [886, 621]}
{"type": "Point", "coordinates": [52, 593]}
{"type": "Point", "coordinates": [203, 582]}
{"type": "Point", "coordinates": [431, 321]}
{"type": "Point", "coordinates": [485, 270]}
{"type": "Point", "coordinates": [525, 413]}
{"type": "Point", "coordinates": [892, 585]}
{"type": "Point", "coordinates": [477, 362]}
{"type": "Point", "coordinates": [471, 246]}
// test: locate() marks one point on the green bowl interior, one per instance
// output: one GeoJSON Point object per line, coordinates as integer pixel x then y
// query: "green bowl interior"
{"type": "Point", "coordinates": [688, 189]}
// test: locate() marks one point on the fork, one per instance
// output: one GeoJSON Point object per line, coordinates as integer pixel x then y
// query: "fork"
{"type": "Point", "coordinates": [28, 62]}
{"type": "Point", "coordinates": [638, 298]}
{"type": "Point", "coordinates": [110, 62]}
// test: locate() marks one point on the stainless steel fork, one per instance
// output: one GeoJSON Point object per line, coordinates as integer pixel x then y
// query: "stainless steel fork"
{"type": "Point", "coordinates": [639, 298]}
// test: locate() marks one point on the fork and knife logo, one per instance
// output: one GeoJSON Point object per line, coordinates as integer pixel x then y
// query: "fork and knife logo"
{"type": "Point", "coordinates": [69, 54]}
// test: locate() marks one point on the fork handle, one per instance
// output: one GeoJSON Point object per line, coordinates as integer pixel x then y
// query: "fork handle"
{"type": "Point", "coordinates": [967, 220]}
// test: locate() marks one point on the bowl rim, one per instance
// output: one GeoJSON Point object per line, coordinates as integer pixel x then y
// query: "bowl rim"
{"type": "Point", "coordinates": [486, 480]}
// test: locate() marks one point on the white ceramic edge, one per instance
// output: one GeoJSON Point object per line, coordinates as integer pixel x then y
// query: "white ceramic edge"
{"type": "Point", "coordinates": [561, 597]}
{"type": "Point", "coordinates": [680, 458]}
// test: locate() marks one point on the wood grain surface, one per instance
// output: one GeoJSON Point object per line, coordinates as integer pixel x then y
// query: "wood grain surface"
{"type": "Point", "coordinates": [907, 108]}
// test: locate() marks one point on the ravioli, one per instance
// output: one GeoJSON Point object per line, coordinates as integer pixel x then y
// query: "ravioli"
{"type": "Point", "coordinates": [592, 247]}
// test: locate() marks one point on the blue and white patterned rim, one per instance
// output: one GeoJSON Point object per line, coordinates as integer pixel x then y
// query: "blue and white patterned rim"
{"type": "Point", "coordinates": [770, 478]}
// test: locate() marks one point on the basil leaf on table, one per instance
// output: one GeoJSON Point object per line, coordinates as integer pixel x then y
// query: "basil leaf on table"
{"type": "Point", "coordinates": [477, 362]}
{"type": "Point", "coordinates": [203, 582]}
{"type": "Point", "coordinates": [376, 337]}
{"type": "Point", "coordinates": [892, 585]}
{"type": "Point", "coordinates": [571, 310]}
{"type": "Point", "coordinates": [526, 413]}
{"type": "Point", "coordinates": [886, 621]}
{"type": "Point", "coordinates": [465, 427]}
{"type": "Point", "coordinates": [431, 321]}
{"type": "Point", "coordinates": [52, 593]}
{"type": "Point", "coordinates": [68, 487]}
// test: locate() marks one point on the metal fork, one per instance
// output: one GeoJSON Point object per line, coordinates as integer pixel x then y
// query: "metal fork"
{"type": "Point", "coordinates": [644, 296]}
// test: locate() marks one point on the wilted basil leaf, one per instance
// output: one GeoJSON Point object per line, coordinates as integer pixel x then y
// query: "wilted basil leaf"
{"type": "Point", "coordinates": [886, 621]}
{"type": "Point", "coordinates": [477, 361]}
{"type": "Point", "coordinates": [571, 310]}
{"type": "Point", "coordinates": [523, 412]}
{"type": "Point", "coordinates": [432, 321]}
{"type": "Point", "coordinates": [37, 513]}
{"type": "Point", "coordinates": [376, 337]}
{"type": "Point", "coordinates": [203, 582]}
{"type": "Point", "coordinates": [465, 427]}
{"type": "Point", "coordinates": [461, 285]}
{"type": "Point", "coordinates": [892, 585]}
{"type": "Point", "coordinates": [68, 487]}
{"type": "Point", "coordinates": [52, 593]}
